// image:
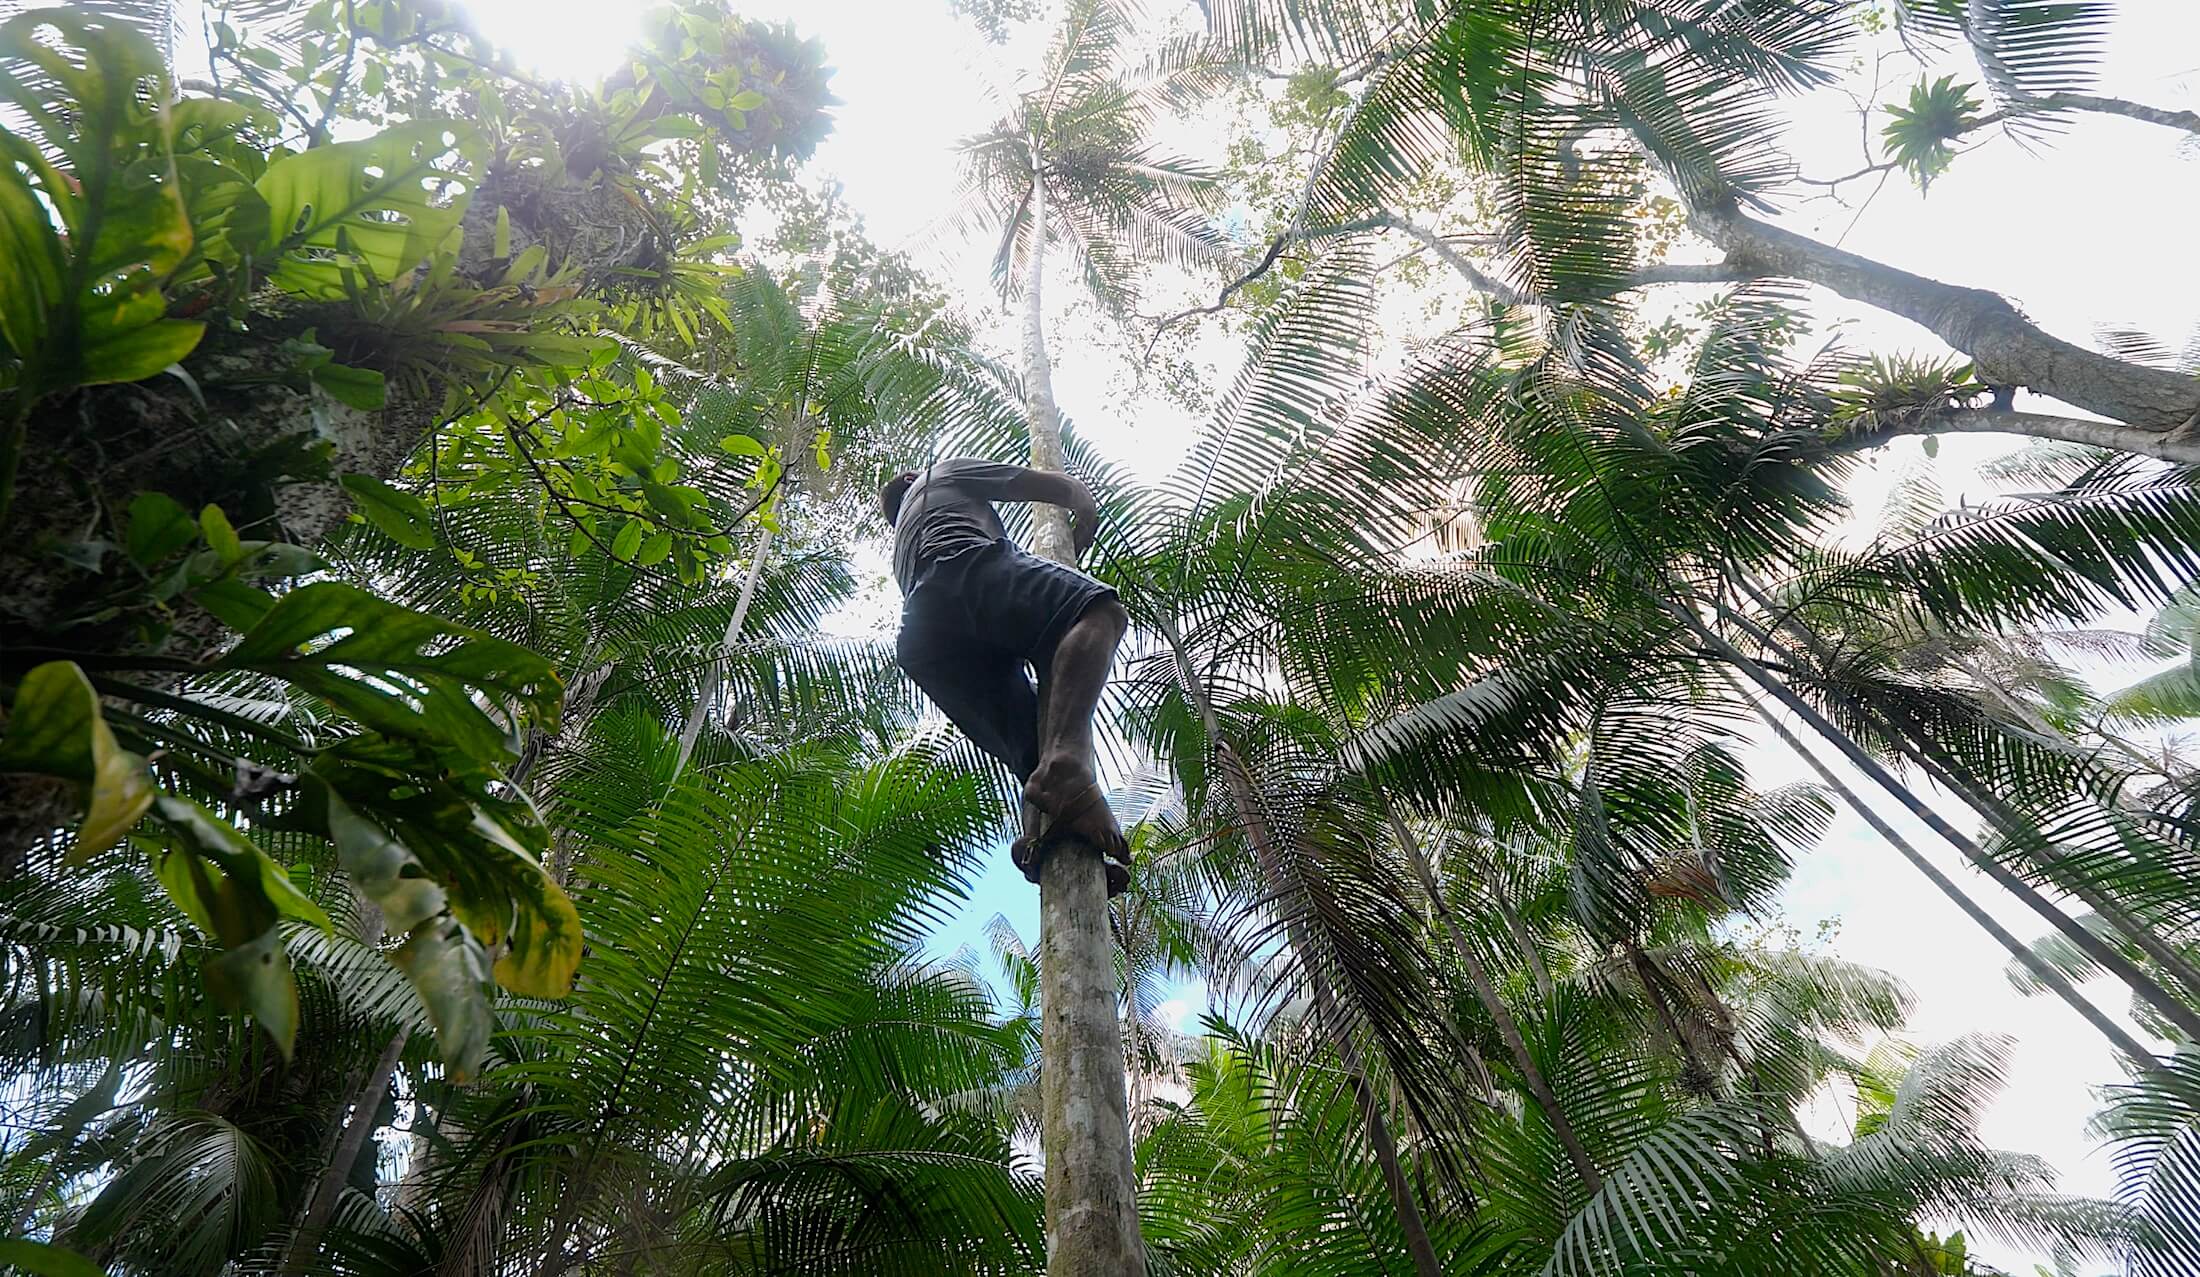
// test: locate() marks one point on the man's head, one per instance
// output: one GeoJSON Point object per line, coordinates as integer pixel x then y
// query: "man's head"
{"type": "Point", "coordinates": [889, 496]}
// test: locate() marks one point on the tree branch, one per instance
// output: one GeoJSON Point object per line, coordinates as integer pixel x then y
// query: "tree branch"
{"type": "Point", "coordinates": [2189, 121]}
{"type": "Point", "coordinates": [2009, 349]}
{"type": "Point", "coordinates": [1437, 244]}
{"type": "Point", "coordinates": [2170, 446]}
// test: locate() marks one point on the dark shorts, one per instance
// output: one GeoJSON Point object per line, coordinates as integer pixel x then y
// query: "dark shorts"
{"type": "Point", "coordinates": [971, 624]}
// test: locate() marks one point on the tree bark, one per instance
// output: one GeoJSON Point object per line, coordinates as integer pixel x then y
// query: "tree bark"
{"type": "Point", "coordinates": [2161, 445]}
{"type": "Point", "coordinates": [1485, 990]}
{"type": "Point", "coordinates": [2009, 349]}
{"type": "Point", "coordinates": [1091, 1189]}
{"type": "Point", "coordinates": [1252, 817]}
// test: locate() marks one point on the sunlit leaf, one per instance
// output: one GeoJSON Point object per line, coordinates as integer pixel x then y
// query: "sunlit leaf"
{"type": "Point", "coordinates": [55, 728]}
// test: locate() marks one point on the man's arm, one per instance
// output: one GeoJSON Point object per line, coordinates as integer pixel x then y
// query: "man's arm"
{"type": "Point", "coordinates": [1021, 483]}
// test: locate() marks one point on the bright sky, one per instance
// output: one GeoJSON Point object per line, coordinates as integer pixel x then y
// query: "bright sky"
{"type": "Point", "coordinates": [2091, 230]}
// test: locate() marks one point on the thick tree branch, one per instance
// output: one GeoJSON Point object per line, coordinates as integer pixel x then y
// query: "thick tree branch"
{"type": "Point", "coordinates": [2184, 121]}
{"type": "Point", "coordinates": [2176, 446]}
{"type": "Point", "coordinates": [2009, 349]}
{"type": "Point", "coordinates": [2189, 121]}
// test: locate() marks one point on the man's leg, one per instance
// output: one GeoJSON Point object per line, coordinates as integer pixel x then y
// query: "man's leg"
{"type": "Point", "coordinates": [1069, 693]}
{"type": "Point", "coordinates": [983, 691]}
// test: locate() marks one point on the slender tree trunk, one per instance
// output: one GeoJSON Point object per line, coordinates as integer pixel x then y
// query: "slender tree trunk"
{"type": "Point", "coordinates": [1485, 989]}
{"type": "Point", "coordinates": [2093, 946]}
{"type": "Point", "coordinates": [321, 1203]}
{"type": "Point", "coordinates": [1051, 534]}
{"type": "Point", "coordinates": [1326, 1011]}
{"type": "Point", "coordinates": [1951, 775]}
{"type": "Point", "coordinates": [712, 675]}
{"type": "Point", "coordinates": [2012, 825]}
{"type": "Point", "coordinates": [1517, 927]}
{"type": "Point", "coordinates": [1646, 975]}
{"type": "Point", "coordinates": [2022, 952]}
{"type": "Point", "coordinates": [1091, 1191]}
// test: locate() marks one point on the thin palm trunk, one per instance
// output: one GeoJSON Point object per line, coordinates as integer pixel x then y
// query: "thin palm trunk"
{"type": "Point", "coordinates": [712, 676]}
{"type": "Point", "coordinates": [1952, 775]}
{"type": "Point", "coordinates": [1485, 990]}
{"type": "Point", "coordinates": [2040, 969]}
{"type": "Point", "coordinates": [321, 1202]}
{"type": "Point", "coordinates": [1091, 1195]}
{"type": "Point", "coordinates": [1517, 927]}
{"type": "Point", "coordinates": [2106, 956]}
{"type": "Point", "coordinates": [1252, 818]}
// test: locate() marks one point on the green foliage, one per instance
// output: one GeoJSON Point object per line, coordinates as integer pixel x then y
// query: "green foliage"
{"type": "Point", "coordinates": [55, 728]}
{"type": "Point", "coordinates": [1449, 805]}
{"type": "Point", "coordinates": [1918, 135]}
{"type": "Point", "coordinates": [83, 298]}
{"type": "Point", "coordinates": [374, 208]}
{"type": "Point", "coordinates": [1889, 389]}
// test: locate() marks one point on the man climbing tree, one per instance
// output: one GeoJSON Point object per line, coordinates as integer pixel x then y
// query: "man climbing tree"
{"type": "Point", "coordinates": [977, 609]}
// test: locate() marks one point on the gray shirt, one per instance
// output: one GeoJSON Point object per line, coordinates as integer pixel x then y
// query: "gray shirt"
{"type": "Point", "coordinates": [949, 509]}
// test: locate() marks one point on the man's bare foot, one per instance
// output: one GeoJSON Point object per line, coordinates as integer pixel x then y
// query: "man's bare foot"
{"type": "Point", "coordinates": [1063, 800]}
{"type": "Point", "coordinates": [1065, 789]}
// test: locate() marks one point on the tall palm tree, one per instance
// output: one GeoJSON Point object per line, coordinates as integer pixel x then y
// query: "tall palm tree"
{"type": "Point", "coordinates": [1069, 171]}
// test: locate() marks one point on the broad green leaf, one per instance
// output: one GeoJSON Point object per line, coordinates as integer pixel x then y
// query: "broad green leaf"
{"type": "Point", "coordinates": [449, 970]}
{"type": "Point", "coordinates": [395, 670]}
{"type": "Point", "coordinates": [743, 446]}
{"type": "Point", "coordinates": [628, 542]}
{"type": "Point", "coordinates": [254, 977]}
{"type": "Point", "coordinates": [371, 202]}
{"type": "Point", "coordinates": [447, 966]}
{"type": "Point", "coordinates": [476, 836]}
{"type": "Point", "coordinates": [81, 301]}
{"type": "Point", "coordinates": [37, 1259]}
{"type": "Point", "coordinates": [156, 528]}
{"type": "Point", "coordinates": [361, 388]}
{"type": "Point", "coordinates": [655, 550]}
{"type": "Point", "coordinates": [233, 602]}
{"type": "Point", "coordinates": [235, 893]}
{"type": "Point", "coordinates": [221, 537]}
{"type": "Point", "coordinates": [402, 517]}
{"type": "Point", "coordinates": [55, 728]}
{"type": "Point", "coordinates": [248, 869]}
{"type": "Point", "coordinates": [542, 944]}
{"type": "Point", "coordinates": [383, 869]}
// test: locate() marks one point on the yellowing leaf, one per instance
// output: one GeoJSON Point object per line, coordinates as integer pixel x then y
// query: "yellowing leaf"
{"type": "Point", "coordinates": [55, 729]}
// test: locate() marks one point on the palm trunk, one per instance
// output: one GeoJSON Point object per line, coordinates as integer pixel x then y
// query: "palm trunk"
{"type": "Point", "coordinates": [321, 1203]}
{"type": "Point", "coordinates": [2107, 957]}
{"type": "Point", "coordinates": [1485, 989]}
{"type": "Point", "coordinates": [1051, 535]}
{"type": "Point", "coordinates": [1517, 927]}
{"type": "Point", "coordinates": [711, 676]}
{"type": "Point", "coordinates": [1326, 1012]}
{"type": "Point", "coordinates": [2022, 952]}
{"type": "Point", "coordinates": [1091, 1191]}
{"type": "Point", "coordinates": [1951, 774]}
